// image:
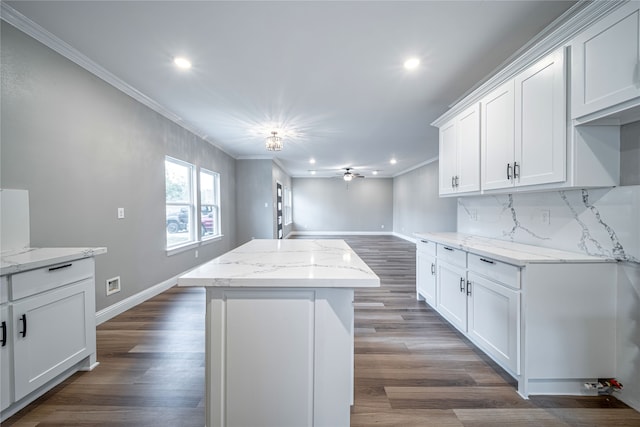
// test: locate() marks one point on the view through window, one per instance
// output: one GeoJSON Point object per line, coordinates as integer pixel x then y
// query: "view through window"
{"type": "Point", "coordinates": [209, 204]}
{"type": "Point", "coordinates": [179, 202]}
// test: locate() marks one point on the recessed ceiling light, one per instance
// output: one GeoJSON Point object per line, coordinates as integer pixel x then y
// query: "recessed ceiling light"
{"type": "Point", "coordinates": [375, 172]}
{"type": "Point", "coordinates": [312, 172]}
{"type": "Point", "coordinates": [393, 161]}
{"type": "Point", "coordinates": [312, 161]}
{"type": "Point", "coordinates": [411, 63]}
{"type": "Point", "coordinates": [182, 62]}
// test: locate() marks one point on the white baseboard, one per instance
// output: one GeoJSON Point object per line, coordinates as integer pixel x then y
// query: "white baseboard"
{"type": "Point", "coordinates": [130, 302]}
{"type": "Point", "coordinates": [408, 238]}
{"type": "Point", "coordinates": [341, 233]}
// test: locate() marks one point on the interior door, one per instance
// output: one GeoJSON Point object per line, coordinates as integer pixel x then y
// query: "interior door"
{"type": "Point", "coordinates": [279, 210]}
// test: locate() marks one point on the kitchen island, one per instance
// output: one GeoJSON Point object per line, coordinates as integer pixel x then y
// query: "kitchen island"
{"type": "Point", "coordinates": [279, 332]}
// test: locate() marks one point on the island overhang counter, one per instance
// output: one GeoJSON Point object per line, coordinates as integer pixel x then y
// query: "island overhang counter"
{"type": "Point", "coordinates": [279, 332]}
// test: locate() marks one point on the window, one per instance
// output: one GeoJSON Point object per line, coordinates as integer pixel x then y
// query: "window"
{"type": "Point", "coordinates": [287, 206]}
{"type": "Point", "coordinates": [180, 207]}
{"type": "Point", "coordinates": [209, 204]}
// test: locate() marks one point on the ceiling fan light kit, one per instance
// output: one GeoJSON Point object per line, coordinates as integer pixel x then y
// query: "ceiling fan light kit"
{"type": "Point", "coordinates": [274, 142]}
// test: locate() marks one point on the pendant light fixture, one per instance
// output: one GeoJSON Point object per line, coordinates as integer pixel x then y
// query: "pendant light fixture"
{"type": "Point", "coordinates": [274, 142]}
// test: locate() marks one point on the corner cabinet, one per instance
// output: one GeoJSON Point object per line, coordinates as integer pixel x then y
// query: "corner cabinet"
{"type": "Point", "coordinates": [524, 128]}
{"type": "Point", "coordinates": [460, 153]}
{"type": "Point", "coordinates": [51, 333]}
{"type": "Point", "coordinates": [605, 63]}
{"type": "Point", "coordinates": [536, 320]}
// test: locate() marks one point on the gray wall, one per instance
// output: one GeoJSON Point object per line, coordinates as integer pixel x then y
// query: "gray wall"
{"type": "Point", "coordinates": [329, 204]}
{"type": "Point", "coordinates": [83, 149]}
{"type": "Point", "coordinates": [416, 205]}
{"type": "Point", "coordinates": [254, 200]}
{"type": "Point", "coordinates": [630, 154]}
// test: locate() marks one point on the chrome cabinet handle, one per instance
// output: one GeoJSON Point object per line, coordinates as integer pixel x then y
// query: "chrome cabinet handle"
{"type": "Point", "coordinates": [453, 182]}
{"type": "Point", "coordinates": [508, 170]}
{"type": "Point", "coordinates": [449, 249]}
{"type": "Point", "coordinates": [4, 334]}
{"type": "Point", "coordinates": [60, 267]}
{"type": "Point", "coordinates": [457, 181]}
{"type": "Point", "coordinates": [433, 269]}
{"type": "Point", "coordinates": [468, 288]}
{"type": "Point", "coordinates": [462, 288]}
{"type": "Point", "coordinates": [488, 261]}
{"type": "Point", "coordinates": [516, 170]}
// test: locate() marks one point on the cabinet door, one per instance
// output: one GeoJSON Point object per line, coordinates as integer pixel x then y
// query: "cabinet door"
{"type": "Point", "coordinates": [468, 150]}
{"type": "Point", "coordinates": [605, 61]}
{"type": "Point", "coordinates": [494, 320]}
{"type": "Point", "coordinates": [52, 332]}
{"type": "Point", "coordinates": [5, 357]}
{"type": "Point", "coordinates": [497, 137]}
{"type": "Point", "coordinates": [448, 158]}
{"type": "Point", "coordinates": [426, 278]}
{"type": "Point", "coordinates": [452, 294]}
{"type": "Point", "coordinates": [540, 122]}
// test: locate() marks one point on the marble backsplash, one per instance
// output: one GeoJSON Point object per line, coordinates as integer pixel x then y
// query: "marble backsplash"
{"type": "Point", "coordinates": [603, 222]}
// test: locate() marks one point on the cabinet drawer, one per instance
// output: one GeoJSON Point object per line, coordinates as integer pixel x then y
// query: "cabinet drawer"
{"type": "Point", "coordinates": [452, 256]}
{"type": "Point", "coordinates": [50, 277]}
{"type": "Point", "coordinates": [499, 271]}
{"type": "Point", "coordinates": [426, 247]}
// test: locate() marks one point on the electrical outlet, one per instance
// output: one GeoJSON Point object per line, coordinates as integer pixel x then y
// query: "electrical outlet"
{"type": "Point", "coordinates": [546, 216]}
{"type": "Point", "coordinates": [196, 254]}
{"type": "Point", "coordinates": [120, 213]}
{"type": "Point", "coordinates": [113, 285]}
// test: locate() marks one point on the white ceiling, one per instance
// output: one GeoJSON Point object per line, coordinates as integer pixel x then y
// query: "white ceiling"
{"type": "Point", "coordinates": [327, 74]}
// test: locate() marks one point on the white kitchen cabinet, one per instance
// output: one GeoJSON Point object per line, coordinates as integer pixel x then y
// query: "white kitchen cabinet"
{"type": "Point", "coordinates": [50, 318]}
{"type": "Point", "coordinates": [546, 316]}
{"type": "Point", "coordinates": [5, 357]}
{"type": "Point", "coordinates": [460, 153]}
{"type": "Point", "coordinates": [426, 272]}
{"type": "Point", "coordinates": [52, 332]}
{"type": "Point", "coordinates": [452, 294]}
{"type": "Point", "coordinates": [605, 63]}
{"type": "Point", "coordinates": [524, 128]}
{"type": "Point", "coordinates": [494, 319]}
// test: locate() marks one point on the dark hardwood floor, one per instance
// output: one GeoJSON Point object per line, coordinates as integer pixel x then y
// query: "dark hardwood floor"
{"type": "Point", "coordinates": [411, 367]}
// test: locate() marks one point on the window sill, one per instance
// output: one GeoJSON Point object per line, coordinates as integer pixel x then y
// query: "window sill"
{"type": "Point", "coordinates": [193, 245]}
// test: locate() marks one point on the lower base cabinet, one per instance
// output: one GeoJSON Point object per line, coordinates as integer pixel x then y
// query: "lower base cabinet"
{"type": "Point", "coordinates": [550, 325]}
{"type": "Point", "coordinates": [426, 272]}
{"type": "Point", "coordinates": [494, 320]}
{"type": "Point", "coordinates": [5, 358]}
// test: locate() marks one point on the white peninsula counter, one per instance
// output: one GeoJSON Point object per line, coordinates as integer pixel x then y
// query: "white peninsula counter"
{"type": "Point", "coordinates": [279, 332]}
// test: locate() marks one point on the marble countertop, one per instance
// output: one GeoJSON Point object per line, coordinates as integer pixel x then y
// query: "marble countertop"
{"type": "Point", "coordinates": [30, 258]}
{"type": "Point", "coordinates": [285, 263]}
{"type": "Point", "coordinates": [512, 253]}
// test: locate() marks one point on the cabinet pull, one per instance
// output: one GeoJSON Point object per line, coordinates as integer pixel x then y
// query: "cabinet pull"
{"type": "Point", "coordinates": [449, 249]}
{"type": "Point", "coordinates": [516, 170]}
{"type": "Point", "coordinates": [462, 288]}
{"type": "Point", "coordinates": [457, 181]}
{"type": "Point", "coordinates": [453, 182]}
{"type": "Point", "coordinates": [488, 261]}
{"type": "Point", "coordinates": [433, 269]}
{"type": "Point", "coordinates": [508, 170]}
{"type": "Point", "coordinates": [4, 333]}
{"type": "Point", "coordinates": [468, 288]}
{"type": "Point", "coordinates": [425, 241]}
{"type": "Point", "coordinates": [60, 267]}
{"type": "Point", "coordinates": [23, 319]}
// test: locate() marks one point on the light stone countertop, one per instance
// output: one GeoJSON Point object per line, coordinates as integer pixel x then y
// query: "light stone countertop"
{"type": "Point", "coordinates": [512, 253]}
{"type": "Point", "coordinates": [25, 259]}
{"type": "Point", "coordinates": [261, 263]}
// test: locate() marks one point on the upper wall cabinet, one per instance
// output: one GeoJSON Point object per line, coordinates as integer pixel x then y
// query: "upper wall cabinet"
{"type": "Point", "coordinates": [460, 153]}
{"type": "Point", "coordinates": [524, 128]}
{"type": "Point", "coordinates": [605, 66]}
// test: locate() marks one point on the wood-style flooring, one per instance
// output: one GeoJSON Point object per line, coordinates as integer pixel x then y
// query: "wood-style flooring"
{"type": "Point", "coordinates": [411, 367]}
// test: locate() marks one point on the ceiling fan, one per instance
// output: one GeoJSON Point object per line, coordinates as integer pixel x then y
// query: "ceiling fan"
{"type": "Point", "coordinates": [349, 174]}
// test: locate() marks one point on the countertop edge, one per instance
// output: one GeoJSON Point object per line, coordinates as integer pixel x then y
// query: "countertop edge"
{"type": "Point", "coordinates": [522, 260]}
{"type": "Point", "coordinates": [70, 254]}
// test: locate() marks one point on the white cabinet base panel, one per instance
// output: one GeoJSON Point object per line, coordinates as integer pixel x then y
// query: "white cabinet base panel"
{"type": "Point", "coordinates": [279, 357]}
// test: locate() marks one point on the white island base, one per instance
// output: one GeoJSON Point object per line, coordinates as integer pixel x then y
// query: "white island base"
{"type": "Point", "coordinates": [279, 331]}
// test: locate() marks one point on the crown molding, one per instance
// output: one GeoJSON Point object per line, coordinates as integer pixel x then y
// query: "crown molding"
{"type": "Point", "coordinates": [555, 35]}
{"type": "Point", "coordinates": [27, 26]}
{"type": "Point", "coordinates": [419, 165]}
